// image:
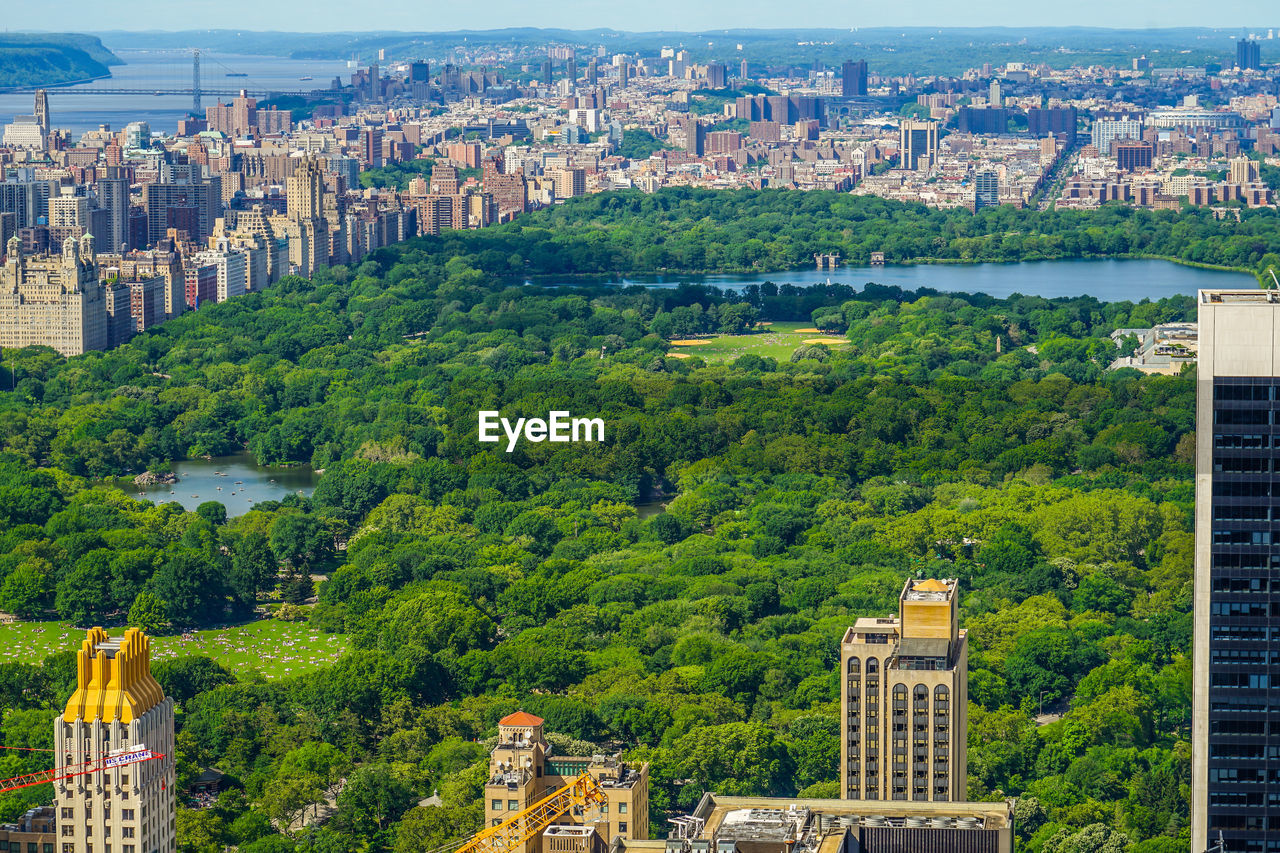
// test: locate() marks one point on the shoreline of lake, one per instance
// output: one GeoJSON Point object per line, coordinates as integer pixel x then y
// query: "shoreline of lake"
{"type": "Point", "coordinates": [1108, 279]}
{"type": "Point", "coordinates": [634, 275]}
{"type": "Point", "coordinates": [236, 481]}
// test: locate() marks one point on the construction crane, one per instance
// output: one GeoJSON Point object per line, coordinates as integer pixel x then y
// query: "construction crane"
{"type": "Point", "coordinates": [117, 758]}
{"type": "Point", "coordinates": [514, 832]}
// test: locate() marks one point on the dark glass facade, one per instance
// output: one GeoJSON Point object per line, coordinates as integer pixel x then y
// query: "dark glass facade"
{"type": "Point", "coordinates": [1244, 617]}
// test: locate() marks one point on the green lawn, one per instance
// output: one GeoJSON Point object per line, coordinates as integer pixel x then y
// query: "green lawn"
{"type": "Point", "coordinates": [273, 647]}
{"type": "Point", "coordinates": [776, 341]}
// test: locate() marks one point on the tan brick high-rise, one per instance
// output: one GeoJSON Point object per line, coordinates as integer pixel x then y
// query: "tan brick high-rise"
{"type": "Point", "coordinates": [903, 700]}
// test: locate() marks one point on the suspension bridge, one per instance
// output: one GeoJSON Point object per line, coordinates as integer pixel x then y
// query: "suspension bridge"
{"type": "Point", "coordinates": [196, 91]}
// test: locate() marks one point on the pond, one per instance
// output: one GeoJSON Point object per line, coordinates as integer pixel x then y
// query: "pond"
{"type": "Point", "coordinates": [1108, 280]}
{"type": "Point", "coordinates": [237, 482]}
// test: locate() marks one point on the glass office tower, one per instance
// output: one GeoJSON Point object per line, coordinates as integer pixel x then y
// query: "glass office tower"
{"type": "Point", "coordinates": [1235, 784]}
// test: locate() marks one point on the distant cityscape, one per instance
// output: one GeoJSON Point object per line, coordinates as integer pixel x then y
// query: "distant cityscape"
{"type": "Point", "coordinates": [109, 234]}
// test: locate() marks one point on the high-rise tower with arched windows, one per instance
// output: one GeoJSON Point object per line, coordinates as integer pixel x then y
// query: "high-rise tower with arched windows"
{"type": "Point", "coordinates": [904, 698]}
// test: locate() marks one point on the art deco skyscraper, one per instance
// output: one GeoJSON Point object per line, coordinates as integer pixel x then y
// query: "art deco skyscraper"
{"type": "Point", "coordinates": [308, 230]}
{"type": "Point", "coordinates": [904, 700]}
{"type": "Point", "coordinates": [117, 705]}
{"type": "Point", "coordinates": [1235, 723]}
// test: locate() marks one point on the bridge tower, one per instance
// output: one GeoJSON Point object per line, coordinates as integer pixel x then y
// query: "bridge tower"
{"type": "Point", "coordinates": [195, 83]}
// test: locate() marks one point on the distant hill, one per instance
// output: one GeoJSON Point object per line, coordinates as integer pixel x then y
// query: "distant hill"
{"type": "Point", "coordinates": [35, 59]}
{"type": "Point", "coordinates": [892, 50]}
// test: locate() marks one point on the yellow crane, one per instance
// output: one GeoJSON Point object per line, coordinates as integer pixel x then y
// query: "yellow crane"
{"type": "Point", "coordinates": [514, 832]}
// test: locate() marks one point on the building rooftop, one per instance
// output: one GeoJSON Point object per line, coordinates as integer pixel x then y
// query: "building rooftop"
{"type": "Point", "coordinates": [822, 826]}
{"type": "Point", "coordinates": [930, 590]}
{"type": "Point", "coordinates": [521, 718]}
{"type": "Point", "coordinates": [1239, 296]}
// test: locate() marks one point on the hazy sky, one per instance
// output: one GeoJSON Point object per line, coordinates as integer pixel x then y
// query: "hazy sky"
{"type": "Point", "coordinates": [422, 15]}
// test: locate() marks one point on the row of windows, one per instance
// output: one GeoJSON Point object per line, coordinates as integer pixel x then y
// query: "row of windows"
{"type": "Point", "coordinates": [1238, 489]}
{"type": "Point", "coordinates": [1243, 632]}
{"type": "Point", "coordinates": [1246, 584]}
{"type": "Point", "coordinates": [1242, 465]}
{"type": "Point", "coordinates": [1243, 750]}
{"type": "Point", "coordinates": [1243, 774]}
{"type": "Point", "coordinates": [1240, 727]}
{"type": "Point", "coordinates": [1245, 441]}
{"type": "Point", "coordinates": [1246, 512]}
{"type": "Point", "coordinates": [1239, 821]}
{"type": "Point", "coordinates": [1255, 391]}
{"type": "Point", "coordinates": [1242, 417]}
{"type": "Point", "coordinates": [1252, 656]}
{"type": "Point", "coordinates": [1242, 537]}
{"type": "Point", "coordinates": [1244, 608]}
{"type": "Point", "coordinates": [1236, 706]}
{"type": "Point", "coordinates": [1245, 680]}
{"type": "Point", "coordinates": [1264, 562]}
{"type": "Point", "coordinates": [1244, 798]}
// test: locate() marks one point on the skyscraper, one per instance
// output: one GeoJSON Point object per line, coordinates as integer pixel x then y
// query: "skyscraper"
{"type": "Point", "coordinates": [117, 704]}
{"type": "Point", "coordinates": [546, 72]}
{"type": "Point", "coordinates": [853, 81]}
{"type": "Point", "coordinates": [986, 190]}
{"type": "Point", "coordinates": [1052, 121]}
{"type": "Point", "coordinates": [42, 111]}
{"type": "Point", "coordinates": [918, 143]}
{"type": "Point", "coordinates": [1235, 722]}
{"type": "Point", "coordinates": [305, 190]}
{"type": "Point", "coordinates": [1105, 131]}
{"type": "Point", "coordinates": [306, 226]}
{"type": "Point", "coordinates": [904, 699]}
{"type": "Point", "coordinates": [113, 197]}
{"type": "Point", "coordinates": [1248, 55]}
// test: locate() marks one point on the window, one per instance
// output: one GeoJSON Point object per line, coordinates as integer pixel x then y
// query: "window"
{"type": "Point", "coordinates": [66, 813]}
{"type": "Point", "coordinates": [126, 814]}
{"type": "Point", "coordinates": [622, 808]}
{"type": "Point", "coordinates": [513, 805]}
{"type": "Point", "coordinates": [497, 805]}
{"type": "Point", "coordinates": [127, 832]}
{"type": "Point", "coordinates": [622, 826]}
